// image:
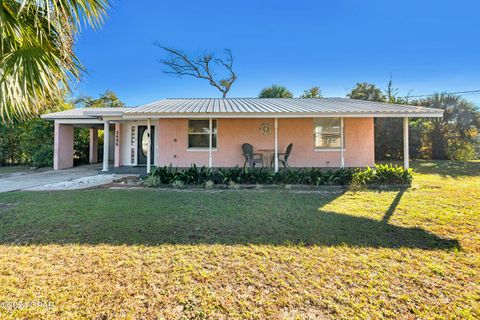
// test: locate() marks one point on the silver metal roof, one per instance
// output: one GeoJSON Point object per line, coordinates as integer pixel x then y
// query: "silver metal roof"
{"type": "Point", "coordinates": [286, 107]}
{"type": "Point", "coordinates": [251, 108]}
{"type": "Point", "coordinates": [85, 113]}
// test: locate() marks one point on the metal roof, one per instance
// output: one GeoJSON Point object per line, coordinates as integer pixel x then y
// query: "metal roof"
{"type": "Point", "coordinates": [84, 113]}
{"type": "Point", "coordinates": [251, 107]}
{"type": "Point", "coordinates": [286, 107]}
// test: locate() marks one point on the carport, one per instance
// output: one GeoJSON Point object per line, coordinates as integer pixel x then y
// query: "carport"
{"type": "Point", "coordinates": [65, 124]}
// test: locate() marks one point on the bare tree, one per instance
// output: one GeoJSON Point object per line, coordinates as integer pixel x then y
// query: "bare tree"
{"type": "Point", "coordinates": [179, 64]}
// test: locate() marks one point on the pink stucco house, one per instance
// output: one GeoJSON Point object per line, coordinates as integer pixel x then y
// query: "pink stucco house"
{"type": "Point", "coordinates": [325, 132]}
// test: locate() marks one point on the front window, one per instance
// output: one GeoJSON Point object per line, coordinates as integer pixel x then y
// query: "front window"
{"type": "Point", "coordinates": [198, 135]}
{"type": "Point", "coordinates": [327, 133]}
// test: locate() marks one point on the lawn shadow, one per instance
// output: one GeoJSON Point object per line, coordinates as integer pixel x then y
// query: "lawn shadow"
{"type": "Point", "coordinates": [391, 209]}
{"type": "Point", "coordinates": [277, 218]}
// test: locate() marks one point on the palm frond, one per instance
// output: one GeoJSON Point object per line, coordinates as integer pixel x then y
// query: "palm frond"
{"type": "Point", "coordinates": [37, 60]}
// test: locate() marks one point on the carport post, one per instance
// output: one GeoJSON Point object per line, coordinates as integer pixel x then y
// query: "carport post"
{"type": "Point", "coordinates": [406, 156]}
{"type": "Point", "coordinates": [276, 144]}
{"type": "Point", "coordinates": [210, 129]}
{"type": "Point", "coordinates": [106, 142]}
{"type": "Point", "coordinates": [93, 146]}
{"type": "Point", "coordinates": [149, 143]}
{"type": "Point", "coordinates": [342, 155]}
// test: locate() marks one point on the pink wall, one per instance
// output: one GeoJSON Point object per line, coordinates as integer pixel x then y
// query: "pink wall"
{"type": "Point", "coordinates": [63, 147]}
{"type": "Point", "coordinates": [232, 133]}
{"type": "Point", "coordinates": [93, 146]}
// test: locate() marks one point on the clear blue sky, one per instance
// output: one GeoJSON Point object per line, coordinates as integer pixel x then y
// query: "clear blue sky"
{"type": "Point", "coordinates": [427, 46]}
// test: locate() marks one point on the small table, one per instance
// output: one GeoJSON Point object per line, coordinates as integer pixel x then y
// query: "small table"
{"type": "Point", "coordinates": [268, 155]}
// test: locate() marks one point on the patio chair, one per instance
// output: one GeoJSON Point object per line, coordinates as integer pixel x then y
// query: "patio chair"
{"type": "Point", "coordinates": [250, 157]}
{"type": "Point", "coordinates": [283, 156]}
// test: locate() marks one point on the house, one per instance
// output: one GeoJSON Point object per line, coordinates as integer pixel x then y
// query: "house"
{"type": "Point", "coordinates": [325, 132]}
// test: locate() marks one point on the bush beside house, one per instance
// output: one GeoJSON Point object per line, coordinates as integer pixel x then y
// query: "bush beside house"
{"type": "Point", "coordinates": [378, 175]}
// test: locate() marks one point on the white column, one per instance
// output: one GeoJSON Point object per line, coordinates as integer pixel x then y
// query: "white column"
{"type": "Point", "coordinates": [210, 142]}
{"type": "Point", "coordinates": [106, 143]}
{"type": "Point", "coordinates": [276, 145]}
{"type": "Point", "coordinates": [406, 156]}
{"type": "Point", "coordinates": [149, 143]}
{"type": "Point", "coordinates": [342, 157]}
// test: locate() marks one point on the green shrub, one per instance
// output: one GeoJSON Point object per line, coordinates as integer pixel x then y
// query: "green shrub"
{"type": "Point", "coordinates": [43, 156]}
{"type": "Point", "coordinates": [209, 184]}
{"type": "Point", "coordinates": [178, 184]}
{"type": "Point", "coordinates": [152, 181]}
{"type": "Point", "coordinates": [380, 174]}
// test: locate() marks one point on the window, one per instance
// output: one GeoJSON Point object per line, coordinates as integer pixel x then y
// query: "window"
{"type": "Point", "coordinates": [198, 137]}
{"type": "Point", "coordinates": [327, 133]}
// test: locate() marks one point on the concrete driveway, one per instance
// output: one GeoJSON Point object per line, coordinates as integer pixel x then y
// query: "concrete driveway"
{"type": "Point", "coordinates": [74, 178]}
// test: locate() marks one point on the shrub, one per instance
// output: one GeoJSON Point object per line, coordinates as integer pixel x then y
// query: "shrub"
{"type": "Point", "coordinates": [152, 181]}
{"type": "Point", "coordinates": [43, 156]}
{"type": "Point", "coordinates": [178, 184]}
{"type": "Point", "coordinates": [209, 184]}
{"type": "Point", "coordinates": [380, 174]}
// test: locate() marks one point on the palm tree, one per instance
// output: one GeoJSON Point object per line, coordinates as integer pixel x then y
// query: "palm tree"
{"type": "Point", "coordinates": [275, 91]}
{"type": "Point", "coordinates": [37, 61]}
{"type": "Point", "coordinates": [460, 123]}
{"type": "Point", "coordinates": [312, 93]}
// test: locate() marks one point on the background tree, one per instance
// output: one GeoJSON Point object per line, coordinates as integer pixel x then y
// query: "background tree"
{"type": "Point", "coordinates": [275, 91]}
{"type": "Point", "coordinates": [366, 91]}
{"type": "Point", "coordinates": [37, 60]}
{"type": "Point", "coordinates": [108, 99]}
{"type": "Point", "coordinates": [179, 64]}
{"type": "Point", "coordinates": [30, 141]}
{"type": "Point", "coordinates": [455, 135]}
{"type": "Point", "coordinates": [312, 93]}
{"type": "Point", "coordinates": [388, 131]}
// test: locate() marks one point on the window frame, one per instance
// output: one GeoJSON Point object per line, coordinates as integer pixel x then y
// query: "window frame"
{"type": "Point", "coordinates": [202, 149]}
{"type": "Point", "coordinates": [342, 133]}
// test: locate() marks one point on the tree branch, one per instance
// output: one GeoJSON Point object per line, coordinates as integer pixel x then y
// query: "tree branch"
{"type": "Point", "coordinates": [180, 64]}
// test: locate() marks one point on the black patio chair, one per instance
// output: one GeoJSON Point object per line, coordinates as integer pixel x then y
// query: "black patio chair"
{"type": "Point", "coordinates": [250, 157]}
{"type": "Point", "coordinates": [283, 156]}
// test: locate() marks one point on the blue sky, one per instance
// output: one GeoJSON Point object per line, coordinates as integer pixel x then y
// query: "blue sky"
{"type": "Point", "coordinates": [427, 46]}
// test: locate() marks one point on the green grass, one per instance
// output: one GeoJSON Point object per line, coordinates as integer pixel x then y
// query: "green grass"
{"type": "Point", "coordinates": [278, 254]}
{"type": "Point", "coordinates": [12, 169]}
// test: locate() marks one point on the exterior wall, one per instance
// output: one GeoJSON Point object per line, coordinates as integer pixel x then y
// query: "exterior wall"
{"type": "Point", "coordinates": [63, 147]}
{"type": "Point", "coordinates": [172, 134]}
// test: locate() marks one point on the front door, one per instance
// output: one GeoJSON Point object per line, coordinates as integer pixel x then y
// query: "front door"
{"type": "Point", "coordinates": [143, 143]}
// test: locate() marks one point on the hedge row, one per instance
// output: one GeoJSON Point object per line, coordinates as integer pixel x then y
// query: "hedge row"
{"type": "Point", "coordinates": [379, 174]}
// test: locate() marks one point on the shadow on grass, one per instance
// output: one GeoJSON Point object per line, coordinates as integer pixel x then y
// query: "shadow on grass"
{"type": "Point", "coordinates": [228, 217]}
{"type": "Point", "coordinates": [393, 205]}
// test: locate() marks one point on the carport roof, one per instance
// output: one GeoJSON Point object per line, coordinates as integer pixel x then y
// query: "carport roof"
{"type": "Point", "coordinates": [85, 113]}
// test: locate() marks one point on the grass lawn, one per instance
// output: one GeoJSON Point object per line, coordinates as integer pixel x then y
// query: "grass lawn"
{"type": "Point", "coordinates": [12, 169]}
{"type": "Point", "coordinates": [261, 254]}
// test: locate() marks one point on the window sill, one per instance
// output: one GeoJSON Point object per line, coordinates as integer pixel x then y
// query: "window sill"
{"type": "Point", "coordinates": [201, 149]}
{"type": "Point", "coordinates": [328, 150]}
